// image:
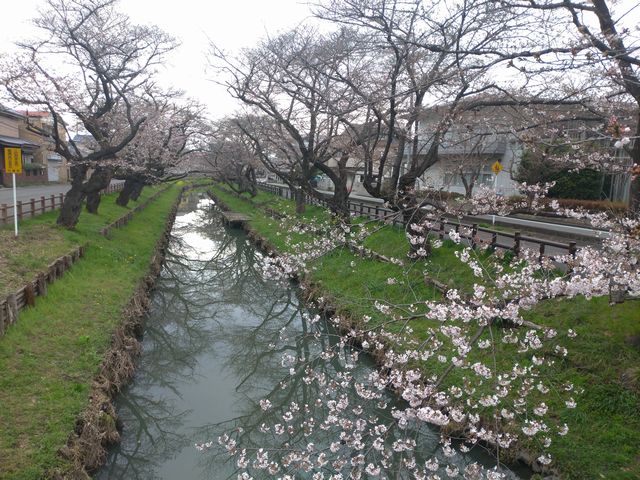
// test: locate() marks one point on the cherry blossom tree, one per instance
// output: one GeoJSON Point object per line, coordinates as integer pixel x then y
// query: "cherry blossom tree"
{"type": "Point", "coordinates": [480, 370]}
{"type": "Point", "coordinates": [297, 111]}
{"type": "Point", "coordinates": [596, 47]}
{"type": "Point", "coordinates": [231, 157]}
{"type": "Point", "coordinates": [88, 64]}
{"type": "Point", "coordinates": [174, 131]}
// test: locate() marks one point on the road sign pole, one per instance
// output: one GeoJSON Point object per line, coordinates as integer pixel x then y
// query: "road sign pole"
{"type": "Point", "coordinates": [495, 191]}
{"type": "Point", "coordinates": [496, 168]}
{"type": "Point", "coordinates": [15, 206]}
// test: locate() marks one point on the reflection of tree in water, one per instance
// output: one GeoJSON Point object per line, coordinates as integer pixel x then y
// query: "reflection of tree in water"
{"type": "Point", "coordinates": [212, 297]}
{"type": "Point", "coordinates": [190, 297]}
{"type": "Point", "coordinates": [261, 376]}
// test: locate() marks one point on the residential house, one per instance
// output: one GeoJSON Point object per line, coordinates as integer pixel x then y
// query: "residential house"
{"type": "Point", "coordinates": [38, 128]}
{"type": "Point", "coordinates": [467, 153]}
{"type": "Point", "coordinates": [32, 133]}
{"type": "Point", "coordinates": [10, 126]}
{"type": "Point", "coordinates": [483, 136]}
{"type": "Point", "coordinates": [355, 164]}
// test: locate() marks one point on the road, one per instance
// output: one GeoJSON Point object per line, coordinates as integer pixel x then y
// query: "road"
{"type": "Point", "coordinates": [27, 193]}
{"type": "Point", "coordinates": [552, 228]}
{"type": "Point", "coordinates": [549, 229]}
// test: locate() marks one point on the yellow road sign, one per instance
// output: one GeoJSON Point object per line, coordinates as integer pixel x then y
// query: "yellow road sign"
{"type": "Point", "coordinates": [496, 168]}
{"type": "Point", "coordinates": [12, 160]}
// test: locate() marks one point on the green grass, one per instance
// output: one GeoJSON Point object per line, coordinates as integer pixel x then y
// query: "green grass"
{"type": "Point", "coordinates": [48, 359]}
{"type": "Point", "coordinates": [23, 257]}
{"type": "Point", "coordinates": [41, 241]}
{"type": "Point", "coordinates": [604, 359]}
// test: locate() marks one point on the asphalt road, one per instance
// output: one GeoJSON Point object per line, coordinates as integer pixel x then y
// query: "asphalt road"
{"type": "Point", "coordinates": [27, 193]}
{"type": "Point", "coordinates": [553, 228]}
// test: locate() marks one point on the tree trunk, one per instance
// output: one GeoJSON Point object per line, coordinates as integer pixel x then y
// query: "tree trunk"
{"type": "Point", "coordinates": [339, 202]}
{"type": "Point", "coordinates": [99, 180]}
{"type": "Point", "coordinates": [137, 190]}
{"type": "Point", "coordinates": [414, 216]}
{"type": "Point", "coordinates": [72, 205]}
{"type": "Point", "coordinates": [634, 195]}
{"type": "Point", "coordinates": [299, 197]}
{"type": "Point", "coordinates": [125, 193]}
{"type": "Point", "coordinates": [247, 180]}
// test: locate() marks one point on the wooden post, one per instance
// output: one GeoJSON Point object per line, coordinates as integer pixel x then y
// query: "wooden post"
{"type": "Point", "coordinates": [441, 232]}
{"type": "Point", "coordinates": [29, 295]}
{"type": "Point", "coordinates": [516, 243]}
{"type": "Point", "coordinates": [60, 268]}
{"type": "Point", "coordinates": [12, 308]}
{"type": "Point", "coordinates": [53, 202]}
{"type": "Point", "coordinates": [61, 199]}
{"type": "Point", "coordinates": [494, 240]}
{"type": "Point", "coordinates": [3, 316]}
{"type": "Point", "coordinates": [474, 233]}
{"type": "Point", "coordinates": [41, 281]}
{"type": "Point", "coordinates": [43, 206]}
{"type": "Point", "coordinates": [20, 209]}
{"type": "Point", "coordinates": [3, 213]}
{"type": "Point", "coordinates": [572, 249]}
{"type": "Point", "coordinates": [33, 207]}
{"type": "Point", "coordinates": [542, 245]}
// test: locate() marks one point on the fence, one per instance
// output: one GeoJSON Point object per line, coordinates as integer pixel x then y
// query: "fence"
{"type": "Point", "coordinates": [36, 206]}
{"type": "Point", "coordinates": [13, 303]}
{"type": "Point", "coordinates": [471, 232]}
{"type": "Point", "coordinates": [25, 297]}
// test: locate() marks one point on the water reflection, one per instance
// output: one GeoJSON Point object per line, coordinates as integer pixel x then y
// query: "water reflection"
{"type": "Point", "coordinates": [213, 347]}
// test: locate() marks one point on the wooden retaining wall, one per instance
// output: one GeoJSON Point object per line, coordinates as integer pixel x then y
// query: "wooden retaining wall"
{"type": "Point", "coordinates": [126, 218]}
{"type": "Point", "coordinates": [25, 297]}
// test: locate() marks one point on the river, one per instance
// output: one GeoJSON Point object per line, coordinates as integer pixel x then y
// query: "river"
{"type": "Point", "coordinates": [213, 346]}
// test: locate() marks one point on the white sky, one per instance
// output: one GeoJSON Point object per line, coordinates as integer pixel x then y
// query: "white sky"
{"type": "Point", "coordinates": [230, 24]}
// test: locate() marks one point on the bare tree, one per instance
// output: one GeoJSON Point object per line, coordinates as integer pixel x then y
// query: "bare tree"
{"type": "Point", "coordinates": [297, 108]}
{"type": "Point", "coordinates": [88, 64]}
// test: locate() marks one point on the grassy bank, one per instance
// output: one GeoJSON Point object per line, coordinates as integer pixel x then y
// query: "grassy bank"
{"type": "Point", "coordinates": [604, 359]}
{"type": "Point", "coordinates": [48, 360]}
{"type": "Point", "coordinates": [40, 241]}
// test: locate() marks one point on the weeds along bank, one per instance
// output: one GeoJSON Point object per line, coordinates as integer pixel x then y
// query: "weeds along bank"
{"type": "Point", "coordinates": [64, 350]}
{"type": "Point", "coordinates": [602, 365]}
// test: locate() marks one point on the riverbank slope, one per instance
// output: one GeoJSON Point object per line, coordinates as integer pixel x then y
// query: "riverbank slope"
{"type": "Point", "coordinates": [50, 358]}
{"type": "Point", "coordinates": [604, 359]}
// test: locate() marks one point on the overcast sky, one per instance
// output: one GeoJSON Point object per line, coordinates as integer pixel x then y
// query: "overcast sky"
{"type": "Point", "coordinates": [231, 24]}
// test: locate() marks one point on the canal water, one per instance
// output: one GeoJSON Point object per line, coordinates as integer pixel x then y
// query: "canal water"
{"type": "Point", "coordinates": [214, 343]}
